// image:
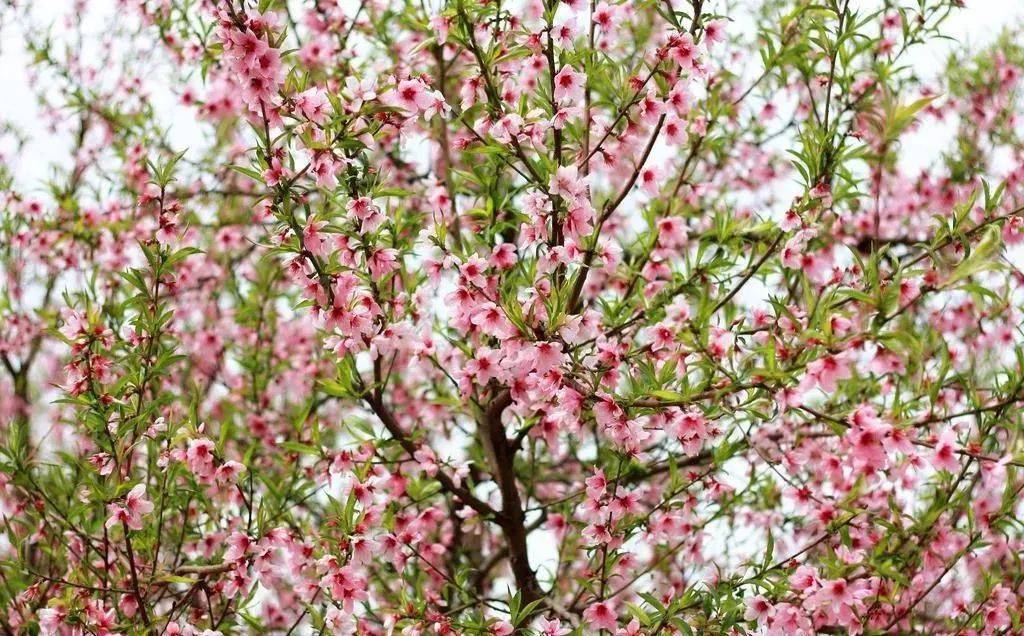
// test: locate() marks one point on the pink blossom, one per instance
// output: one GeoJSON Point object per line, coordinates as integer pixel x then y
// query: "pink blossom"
{"type": "Point", "coordinates": [828, 371]}
{"type": "Point", "coordinates": [568, 84]}
{"type": "Point", "coordinates": [758, 609]}
{"type": "Point", "coordinates": [314, 105]}
{"type": "Point", "coordinates": [600, 616]}
{"type": "Point", "coordinates": [135, 506]}
{"type": "Point", "coordinates": [945, 455]}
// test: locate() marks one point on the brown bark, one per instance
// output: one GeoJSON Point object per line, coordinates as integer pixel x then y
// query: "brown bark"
{"type": "Point", "coordinates": [513, 519]}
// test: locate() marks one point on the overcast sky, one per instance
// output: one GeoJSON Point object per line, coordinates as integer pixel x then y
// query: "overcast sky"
{"type": "Point", "coordinates": [979, 22]}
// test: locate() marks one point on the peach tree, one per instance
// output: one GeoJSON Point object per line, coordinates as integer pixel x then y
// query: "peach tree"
{"type": "Point", "coordinates": [486, 317]}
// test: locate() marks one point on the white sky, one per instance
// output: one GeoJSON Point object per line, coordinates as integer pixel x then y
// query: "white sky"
{"type": "Point", "coordinates": [979, 22]}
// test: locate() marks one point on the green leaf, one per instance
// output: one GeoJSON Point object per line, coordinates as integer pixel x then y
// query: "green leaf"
{"type": "Point", "coordinates": [981, 257]}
